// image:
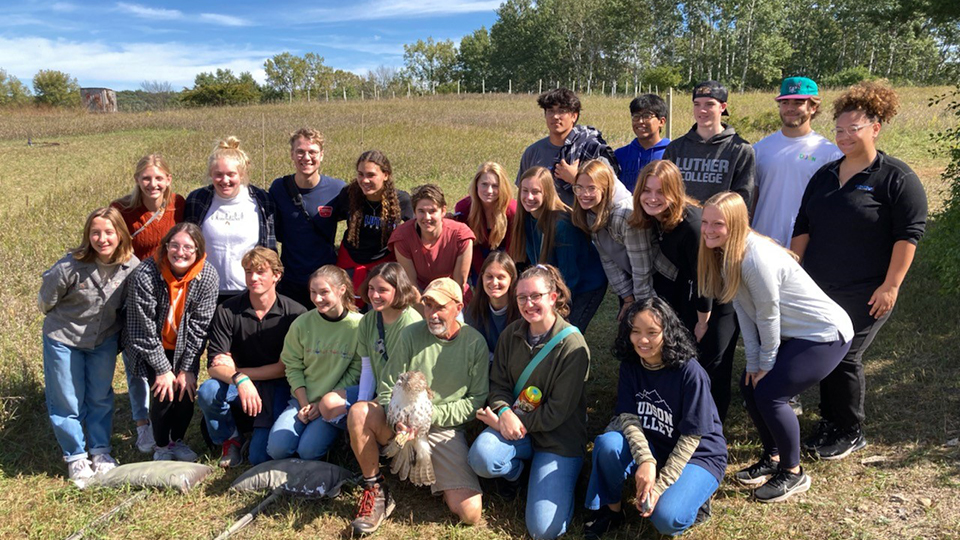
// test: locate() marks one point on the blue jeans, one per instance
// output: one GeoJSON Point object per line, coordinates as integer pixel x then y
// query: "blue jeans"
{"type": "Point", "coordinates": [583, 306]}
{"type": "Point", "coordinates": [79, 393]}
{"type": "Point", "coordinates": [290, 436]}
{"type": "Point", "coordinates": [138, 390]}
{"type": "Point", "coordinates": [552, 479]}
{"type": "Point", "coordinates": [215, 398]}
{"type": "Point", "coordinates": [677, 507]}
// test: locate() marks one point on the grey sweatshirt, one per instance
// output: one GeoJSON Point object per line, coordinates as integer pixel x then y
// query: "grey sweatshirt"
{"type": "Point", "coordinates": [724, 162]}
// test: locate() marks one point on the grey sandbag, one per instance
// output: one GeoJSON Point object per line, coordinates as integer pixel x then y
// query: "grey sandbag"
{"type": "Point", "coordinates": [295, 477]}
{"type": "Point", "coordinates": [162, 474]}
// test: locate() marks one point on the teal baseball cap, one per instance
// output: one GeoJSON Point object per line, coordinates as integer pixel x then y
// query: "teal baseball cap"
{"type": "Point", "coordinates": [797, 88]}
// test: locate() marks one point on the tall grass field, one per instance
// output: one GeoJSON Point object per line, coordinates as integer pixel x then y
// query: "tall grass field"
{"type": "Point", "coordinates": [905, 484]}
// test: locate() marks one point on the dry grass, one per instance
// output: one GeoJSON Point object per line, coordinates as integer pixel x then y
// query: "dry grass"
{"type": "Point", "coordinates": [81, 161]}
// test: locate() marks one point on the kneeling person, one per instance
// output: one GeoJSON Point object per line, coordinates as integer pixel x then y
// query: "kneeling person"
{"type": "Point", "coordinates": [454, 359]}
{"type": "Point", "coordinates": [246, 338]}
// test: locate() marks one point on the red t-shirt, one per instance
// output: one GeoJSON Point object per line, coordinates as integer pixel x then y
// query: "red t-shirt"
{"type": "Point", "coordinates": [436, 261]}
{"type": "Point", "coordinates": [145, 243]}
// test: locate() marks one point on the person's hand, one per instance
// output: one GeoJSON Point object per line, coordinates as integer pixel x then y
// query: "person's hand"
{"type": "Point", "coordinates": [623, 310]}
{"type": "Point", "coordinates": [223, 360]}
{"type": "Point", "coordinates": [489, 418]}
{"type": "Point", "coordinates": [646, 478]}
{"type": "Point", "coordinates": [883, 300]}
{"type": "Point", "coordinates": [249, 398]}
{"type": "Point", "coordinates": [754, 378]}
{"type": "Point", "coordinates": [307, 413]}
{"type": "Point", "coordinates": [511, 427]}
{"type": "Point", "coordinates": [163, 386]}
{"type": "Point", "coordinates": [403, 428]}
{"type": "Point", "coordinates": [186, 383]}
{"type": "Point", "coordinates": [699, 330]}
{"type": "Point", "coordinates": [567, 171]}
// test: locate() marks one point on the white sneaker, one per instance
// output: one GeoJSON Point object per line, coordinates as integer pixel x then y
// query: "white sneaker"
{"type": "Point", "coordinates": [164, 453]}
{"type": "Point", "coordinates": [80, 472]}
{"type": "Point", "coordinates": [103, 463]}
{"type": "Point", "coordinates": [145, 441]}
{"type": "Point", "coordinates": [182, 451]}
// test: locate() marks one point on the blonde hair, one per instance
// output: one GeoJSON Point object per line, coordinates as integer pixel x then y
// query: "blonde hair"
{"type": "Point", "coordinates": [135, 198]}
{"type": "Point", "coordinates": [671, 183]}
{"type": "Point", "coordinates": [337, 277]}
{"type": "Point", "coordinates": [477, 220]}
{"type": "Point", "coordinates": [604, 177]}
{"type": "Point", "coordinates": [261, 257]}
{"type": "Point", "coordinates": [718, 269]}
{"type": "Point", "coordinates": [85, 252]}
{"type": "Point", "coordinates": [310, 134]}
{"type": "Point", "coordinates": [229, 148]}
{"type": "Point", "coordinates": [549, 213]}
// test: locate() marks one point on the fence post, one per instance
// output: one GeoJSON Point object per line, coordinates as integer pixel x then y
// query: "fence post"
{"type": "Point", "coordinates": [483, 86]}
{"type": "Point", "coordinates": [344, 93]}
{"type": "Point", "coordinates": [408, 90]}
{"type": "Point", "coordinates": [327, 92]}
{"type": "Point", "coordinates": [670, 113]}
{"type": "Point", "coordinates": [540, 87]}
{"type": "Point", "coordinates": [510, 86]}
{"type": "Point", "coordinates": [458, 87]}
{"type": "Point", "coordinates": [613, 89]}
{"type": "Point", "coordinates": [603, 87]}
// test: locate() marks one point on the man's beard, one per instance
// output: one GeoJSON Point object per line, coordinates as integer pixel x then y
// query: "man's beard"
{"type": "Point", "coordinates": [437, 329]}
{"type": "Point", "coordinates": [803, 118]}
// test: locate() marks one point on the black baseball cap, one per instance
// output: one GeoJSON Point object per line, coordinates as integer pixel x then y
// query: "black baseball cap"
{"type": "Point", "coordinates": [711, 89]}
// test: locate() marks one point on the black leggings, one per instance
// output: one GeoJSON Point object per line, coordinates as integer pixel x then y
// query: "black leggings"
{"type": "Point", "coordinates": [717, 348]}
{"type": "Point", "coordinates": [169, 419]}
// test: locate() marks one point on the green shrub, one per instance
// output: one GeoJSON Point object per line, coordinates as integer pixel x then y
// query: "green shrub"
{"type": "Point", "coordinates": [848, 77]}
{"type": "Point", "coordinates": [943, 240]}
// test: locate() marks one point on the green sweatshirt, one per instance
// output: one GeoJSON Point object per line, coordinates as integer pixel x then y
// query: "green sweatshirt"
{"type": "Point", "coordinates": [369, 336]}
{"type": "Point", "coordinates": [321, 355]}
{"type": "Point", "coordinates": [456, 371]}
{"type": "Point", "coordinates": [559, 424]}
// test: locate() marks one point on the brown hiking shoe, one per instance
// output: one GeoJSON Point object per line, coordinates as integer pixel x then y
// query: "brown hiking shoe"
{"type": "Point", "coordinates": [374, 506]}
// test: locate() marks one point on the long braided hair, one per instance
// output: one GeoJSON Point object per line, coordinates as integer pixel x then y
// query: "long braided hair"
{"type": "Point", "coordinates": [390, 217]}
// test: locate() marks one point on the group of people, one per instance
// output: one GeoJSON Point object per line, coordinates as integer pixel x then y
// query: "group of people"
{"type": "Point", "coordinates": [799, 245]}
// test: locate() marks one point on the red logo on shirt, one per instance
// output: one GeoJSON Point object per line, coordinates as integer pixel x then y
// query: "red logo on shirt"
{"type": "Point", "coordinates": [325, 211]}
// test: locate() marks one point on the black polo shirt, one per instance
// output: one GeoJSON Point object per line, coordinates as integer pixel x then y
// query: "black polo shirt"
{"type": "Point", "coordinates": [252, 342]}
{"type": "Point", "coordinates": [853, 227]}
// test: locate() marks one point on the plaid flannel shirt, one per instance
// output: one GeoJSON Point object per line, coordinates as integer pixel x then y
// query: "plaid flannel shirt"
{"type": "Point", "coordinates": [199, 201]}
{"type": "Point", "coordinates": [619, 271]}
{"type": "Point", "coordinates": [148, 303]}
{"type": "Point", "coordinates": [639, 245]}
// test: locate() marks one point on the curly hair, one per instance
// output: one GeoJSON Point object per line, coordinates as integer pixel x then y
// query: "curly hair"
{"type": "Point", "coordinates": [678, 345]}
{"type": "Point", "coordinates": [873, 98]}
{"type": "Point", "coordinates": [390, 217]}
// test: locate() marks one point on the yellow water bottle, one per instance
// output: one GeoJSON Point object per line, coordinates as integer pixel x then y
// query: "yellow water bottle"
{"type": "Point", "coordinates": [528, 400]}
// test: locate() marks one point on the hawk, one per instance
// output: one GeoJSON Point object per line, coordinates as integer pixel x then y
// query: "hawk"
{"type": "Point", "coordinates": [411, 405]}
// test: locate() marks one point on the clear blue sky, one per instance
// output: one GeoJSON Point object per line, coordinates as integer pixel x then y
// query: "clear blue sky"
{"type": "Point", "coordinates": [119, 44]}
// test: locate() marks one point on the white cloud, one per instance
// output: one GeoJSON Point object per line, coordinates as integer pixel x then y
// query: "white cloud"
{"type": "Point", "coordinates": [125, 65]}
{"type": "Point", "coordinates": [64, 7]}
{"type": "Point", "coordinates": [224, 20]}
{"type": "Point", "coordinates": [149, 12]}
{"type": "Point", "coordinates": [394, 9]}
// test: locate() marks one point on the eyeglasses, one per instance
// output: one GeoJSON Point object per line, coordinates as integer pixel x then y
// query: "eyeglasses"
{"type": "Point", "coordinates": [587, 190]}
{"type": "Point", "coordinates": [535, 297]}
{"type": "Point", "coordinates": [852, 130]}
{"type": "Point", "coordinates": [645, 116]}
{"type": "Point", "coordinates": [311, 153]}
{"type": "Point", "coordinates": [189, 250]}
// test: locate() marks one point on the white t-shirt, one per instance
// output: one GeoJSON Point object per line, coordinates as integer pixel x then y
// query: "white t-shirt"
{"type": "Point", "coordinates": [230, 229]}
{"type": "Point", "coordinates": [784, 167]}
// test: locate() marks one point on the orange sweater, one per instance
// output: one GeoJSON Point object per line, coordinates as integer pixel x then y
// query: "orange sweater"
{"type": "Point", "coordinates": [145, 243]}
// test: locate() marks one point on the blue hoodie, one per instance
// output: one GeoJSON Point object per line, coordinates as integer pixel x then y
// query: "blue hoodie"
{"type": "Point", "coordinates": [633, 158]}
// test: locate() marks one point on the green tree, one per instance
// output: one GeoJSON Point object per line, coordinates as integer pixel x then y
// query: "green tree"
{"type": "Point", "coordinates": [474, 58]}
{"type": "Point", "coordinates": [56, 88]}
{"type": "Point", "coordinates": [12, 91]}
{"type": "Point", "coordinates": [286, 72]}
{"type": "Point", "coordinates": [222, 88]}
{"type": "Point", "coordinates": [430, 62]}
{"type": "Point", "coordinates": [317, 76]}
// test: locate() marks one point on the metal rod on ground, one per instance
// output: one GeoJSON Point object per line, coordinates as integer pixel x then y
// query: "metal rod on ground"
{"type": "Point", "coordinates": [248, 518]}
{"type": "Point", "coordinates": [263, 149]}
{"type": "Point", "coordinates": [108, 514]}
{"type": "Point", "coordinates": [670, 113]}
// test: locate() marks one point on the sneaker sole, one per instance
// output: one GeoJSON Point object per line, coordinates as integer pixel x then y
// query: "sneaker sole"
{"type": "Point", "coordinates": [859, 446]}
{"type": "Point", "coordinates": [803, 486]}
{"type": "Point", "coordinates": [753, 482]}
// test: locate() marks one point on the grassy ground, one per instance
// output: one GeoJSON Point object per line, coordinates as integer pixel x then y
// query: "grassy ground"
{"type": "Point", "coordinates": [910, 486]}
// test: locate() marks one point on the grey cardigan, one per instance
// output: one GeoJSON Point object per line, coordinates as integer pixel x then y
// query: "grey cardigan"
{"type": "Point", "coordinates": [776, 300]}
{"type": "Point", "coordinates": [147, 306]}
{"type": "Point", "coordinates": [81, 311]}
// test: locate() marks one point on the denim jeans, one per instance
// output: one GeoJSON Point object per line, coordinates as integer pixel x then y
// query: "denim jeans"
{"type": "Point", "coordinates": [677, 507]}
{"type": "Point", "coordinates": [552, 479]}
{"type": "Point", "coordinates": [138, 390]}
{"type": "Point", "coordinates": [583, 306]}
{"type": "Point", "coordinates": [215, 398]}
{"type": "Point", "coordinates": [310, 441]}
{"type": "Point", "coordinates": [79, 393]}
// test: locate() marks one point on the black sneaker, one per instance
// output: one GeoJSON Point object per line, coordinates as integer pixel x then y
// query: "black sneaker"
{"type": "Point", "coordinates": [703, 514]}
{"type": "Point", "coordinates": [757, 473]}
{"type": "Point", "coordinates": [508, 490]}
{"type": "Point", "coordinates": [782, 486]}
{"type": "Point", "coordinates": [374, 506]}
{"type": "Point", "coordinates": [820, 436]}
{"type": "Point", "coordinates": [602, 521]}
{"type": "Point", "coordinates": [843, 443]}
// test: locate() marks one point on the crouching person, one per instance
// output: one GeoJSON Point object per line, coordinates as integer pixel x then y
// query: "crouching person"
{"type": "Point", "coordinates": [243, 360]}
{"type": "Point", "coordinates": [667, 433]}
{"type": "Point", "coordinates": [454, 360]}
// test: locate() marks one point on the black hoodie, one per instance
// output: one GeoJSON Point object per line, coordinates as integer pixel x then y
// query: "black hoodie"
{"type": "Point", "coordinates": [724, 162]}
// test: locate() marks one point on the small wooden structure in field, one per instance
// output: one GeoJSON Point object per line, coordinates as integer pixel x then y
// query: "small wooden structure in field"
{"type": "Point", "coordinates": [99, 100]}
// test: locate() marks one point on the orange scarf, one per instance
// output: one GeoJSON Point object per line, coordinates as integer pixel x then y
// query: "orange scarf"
{"type": "Point", "coordinates": [177, 288]}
